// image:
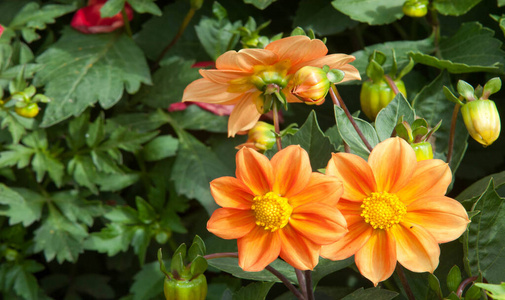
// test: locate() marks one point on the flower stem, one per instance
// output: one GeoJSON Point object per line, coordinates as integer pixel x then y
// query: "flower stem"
{"type": "Point", "coordinates": [308, 282]}
{"type": "Point", "coordinates": [463, 284]}
{"type": "Point", "coordinates": [336, 97]}
{"type": "Point", "coordinates": [276, 126]}
{"type": "Point", "coordinates": [126, 22]}
{"type": "Point", "coordinates": [270, 269]}
{"type": "Point", "coordinates": [405, 283]}
{"type": "Point", "coordinates": [183, 26]}
{"type": "Point", "coordinates": [301, 282]}
{"type": "Point", "coordinates": [452, 132]}
{"type": "Point", "coordinates": [391, 84]}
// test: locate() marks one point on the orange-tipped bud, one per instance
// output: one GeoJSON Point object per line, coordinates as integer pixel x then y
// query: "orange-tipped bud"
{"type": "Point", "coordinates": [482, 120]}
{"type": "Point", "coordinates": [310, 85]}
{"type": "Point", "coordinates": [260, 138]}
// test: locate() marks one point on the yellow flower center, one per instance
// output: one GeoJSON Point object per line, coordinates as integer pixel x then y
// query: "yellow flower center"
{"type": "Point", "coordinates": [271, 211]}
{"type": "Point", "coordinates": [383, 210]}
{"type": "Point", "coordinates": [262, 77]}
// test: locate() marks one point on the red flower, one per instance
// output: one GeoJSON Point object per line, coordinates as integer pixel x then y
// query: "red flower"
{"type": "Point", "coordinates": [88, 19]}
{"type": "Point", "coordinates": [1, 30]}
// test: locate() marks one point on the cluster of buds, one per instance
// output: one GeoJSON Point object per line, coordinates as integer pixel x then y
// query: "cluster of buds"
{"type": "Point", "coordinates": [376, 92]}
{"type": "Point", "coordinates": [415, 8]}
{"type": "Point", "coordinates": [480, 114]}
{"type": "Point", "coordinates": [417, 135]}
{"type": "Point", "coordinates": [23, 98]}
{"type": "Point", "coordinates": [250, 35]}
{"type": "Point", "coordinates": [186, 282]}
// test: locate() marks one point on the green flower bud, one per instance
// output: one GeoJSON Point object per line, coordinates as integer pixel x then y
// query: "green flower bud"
{"type": "Point", "coordinates": [423, 151]}
{"type": "Point", "coordinates": [482, 120]}
{"type": "Point", "coordinates": [185, 289]}
{"type": "Point", "coordinates": [376, 96]}
{"type": "Point", "coordinates": [260, 138]}
{"type": "Point", "coordinates": [415, 8]}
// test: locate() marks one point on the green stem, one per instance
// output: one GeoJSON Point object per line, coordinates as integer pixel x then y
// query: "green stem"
{"type": "Point", "coordinates": [126, 22]}
{"type": "Point", "coordinates": [435, 24]}
{"type": "Point", "coordinates": [335, 96]}
{"type": "Point", "coordinates": [405, 283]}
{"type": "Point", "coordinates": [452, 132]}
{"type": "Point", "coordinates": [183, 26]}
{"type": "Point", "coordinates": [276, 126]}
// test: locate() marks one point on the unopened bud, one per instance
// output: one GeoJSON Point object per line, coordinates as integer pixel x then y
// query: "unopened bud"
{"type": "Point", "coordinates": [423, 151]}
{"type": "Point", "coordinates": [376, 96]}
{"type": "Point", "coordinates": [310, 85]}
{"type": "Point", "coordinates": [482, 120]}
{"type": "Point", "coordinates": [415, 8]}
{"type": "Point", "coordinates": [185, 289]}
{"type": "Point", "coordinates": [260, 138]}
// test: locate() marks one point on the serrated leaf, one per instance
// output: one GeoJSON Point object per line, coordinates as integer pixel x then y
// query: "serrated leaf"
{"type": "Point", "coordinates": [148, 282]}
{"type": "Point", "coordinates": [260, 4]}
{"type": "Point", "coordinates": [21, 278]}
{"type": "Point", "coordinates": [59, 238]}
{"type": "Point", "coordinates": [454, 7]}
{"type": "Point", "coordinates": [117, 181]}
{"type": "Point", "coordinates": [478, 187]}
{"type": "Point", "coordinates": [43, 162]}
{"type": "Point", "coordinates": [371, 11]}
{"type": "Point", "coordinates": [84, 172]}
{"type": "Point", "coordinates": [471, 49]}
{"type": "Point", "coordinates": [127, 139]}
{"type": "Point", "coordinates": [371, 293]}
{"type": "Point", "coordinates": [146, 212]}
{"type": "Point", "coordinates": [168, 83]}
{"type": "Point", "coordinates": [388, 117]}
{"type": "Point", "coordinates": [194, 167]}
{"type": "Point", "coordinates": [81, 69]}
{"type": "Point", "coordinates": [75, 208]}
{"type": "Point", "coordinates": [321, 17]}
{"type": "Point", "coordinates": [486, 247]}
{"type": "Point", "coordinates": [32, 17]}
{"type": "Point", "coordinates": [230, 265]}
{"type": "Point", "coordinates": [17, 155]}
{"type": "Point", "coordinates": [351, 137]}
{"type": "Point", "coordinates": [217, 36]}
{"type": "Point", "coordinates": [16, 124]}
{"type": "Point", "coordinates": [253, 291]}
{"type": "Point", "coordinates": [311, 138]}
{"type": "Point", "coordinates": [160, 147]}
{"type": "Point", "coordinates": [20, 209]}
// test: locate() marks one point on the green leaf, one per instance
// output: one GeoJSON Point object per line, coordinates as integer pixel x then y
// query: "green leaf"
{"type": "Point", "coordinates": [168, 83]}
{"type": "Point", "coordinates": [326, 267]}
{"type": "Point", "coordinates": [486, 246]}
{"type": "Point", "coordinates": [371, 11]}
{"type": "Point", "coordinates": [20, 209]}
{"type": "Point", "coordinates": [260, 4]}
{"type": "Point", "coordinates": [18, 155]}
{"type": "Point", "coordinates": [194, 167]}
{"type": "Point", "coordinates": [111, 8]}
{"type": "Point", "coordinates": [480, 186]}
{"type": "Point", "coordinates": [217, 36]}
{"type": "Point", "coordinates": [388, 117]}
{"type": "Point", "coordinates": [94, 285]}
{"type": "Point", "coordinates": [196, 118]}
{"type": "Point", "coordinates": [17, 125]}
{"type": "Point", "coordinates": [148, 282]}
{"type": "Point", "coordinates": [401, 48]}
{"type": "Point", "coordinates": [198, 266]}
{"type": "Point", "coordinates": [84, 172]}
{"type": "Point", "coordinates": [501, 3]}
{"type": "Point", "coordinates": [59, 238]}
{"type": "Point", "coordinates": [371, 293]}
{"type": "Point", "coordinates": [146, 212]}
{"type": "Point", "coordinates": [311, 138]}
{"type": "Point", "coordinates": [454, 278]}
{"type": "Point", "coordinates": [496, 291]}
{"type": "Point", "coordinates": [145, 6]}
{"type": "Point", "coordinates": [116, 182]}
{"type": "Point", "coordinates": [351, 137]}
{"type": "Point", "coordinates": [81, 69]}
{"type": "Point", "coordinates": [160, 147]}
{"type": "Point", "coordinates": [20, 278]}
{"type": "Point", "coordinates": [230, 265]}
{"type": "Point", "coordinates": [32, 17]}
{"type": "Point", "coordinates": [454, 7]}
{"type": "Point", "coordinates": [320, 16]}
{"type": "Point", "coordinates": [126, 138]}
{"type": "Point", "coordinates": [253, 291]}
{"type": "Point", "coordinates": [75, 208]}
{"type": "Point", "coordinates": [471, 49]}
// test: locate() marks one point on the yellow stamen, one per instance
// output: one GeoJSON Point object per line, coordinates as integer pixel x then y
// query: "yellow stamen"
{"type": "Point", "coordinates": [262, 76]}
{"type": "Point", "coordinates": [271, 211]}
{"type": "Point", "coordinates": [383, 210]}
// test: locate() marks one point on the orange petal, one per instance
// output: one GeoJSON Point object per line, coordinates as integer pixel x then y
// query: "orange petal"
{"type": "Point", "coordinates": [204, 90]}
{"type": "Point", "coordinates": [228, 223]}
{"type": "Point", "coordinates": [258, 249]}
{"type": "Point", "coordinates": [223, 76]}
{"type": "Point", "coordinates": [245, 59]}
{"type": "Point", "coordinates": [231, 193]}
{"type": "Point", "coordinates": [334, 61]}
{"type": "Point", "coordinates": [416, 248]}
{"type": "Point", "coordinates": [355, 173]}
{"type": "Point", "coordinates": [297, 49]}
{"type": "Point", "coordinates": [445, 218]}
{"type": "Point", "coordinates": [297, 250]}
{"type": "Point", "coordinates": [320, 223]}
{"type": "Point", "coordinates": [350, 208]}
{"type": "Point", "coordinates": [358, 234]}
{"type": "Point", "coordinates": [254, 170]}
{"type": "Point", "coordinates": [431, 178]}
{"type": "Point", "coordinates": [376, 260]}
{"type": "Point", "coordinates": [292, 170]}
{"type": "Point", "coordinates": [321, 188]}
{"type": "Point", "coordinates": [244, 115]}
{"type": "Point", "coordinates": [393, 162]}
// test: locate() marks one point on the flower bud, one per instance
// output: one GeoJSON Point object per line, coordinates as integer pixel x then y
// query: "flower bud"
{"type": "Point", "coordinates": [260, 138]}
{"type": "Point", "coordinates": [423, 150]}
{"type": "Point", "coordinates": [185, 289]}
{"type": "Point", "coordinates": [415, 8]}
{"type": "Point", "coordinates": [482, 120]}
{"type": "Point", "coordinates": [376, 96]}
{"type": "Point", "coordinates": [310, 85]}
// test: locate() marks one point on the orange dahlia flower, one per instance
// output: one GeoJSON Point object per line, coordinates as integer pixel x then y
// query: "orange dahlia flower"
{"type": "Point", "coordinates": [277, 207]}
{"type": "Point", "coordinates": [241, 78]}
{"type": "Point", "coordinates": [395, 210]}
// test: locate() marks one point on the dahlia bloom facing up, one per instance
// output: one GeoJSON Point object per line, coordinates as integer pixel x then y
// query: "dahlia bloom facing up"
{"type": "Point", "coordinates": [242, 77]}
{"type": "Point", "coordinates": [395, 210]}
{"type": "Point", "coordinates": [88, 19]}
{"type": "Point", "coordinates": [277, 208]}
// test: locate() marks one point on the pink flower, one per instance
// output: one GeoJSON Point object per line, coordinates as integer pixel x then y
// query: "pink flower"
{"type": "Point", "coordinates": [88, 19]}
{"type": "Point", "coordinates": [1, 29]}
